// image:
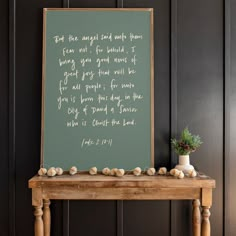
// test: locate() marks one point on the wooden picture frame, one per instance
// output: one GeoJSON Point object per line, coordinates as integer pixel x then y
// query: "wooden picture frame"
{"type": "Point", "coordinates": [47, 61]}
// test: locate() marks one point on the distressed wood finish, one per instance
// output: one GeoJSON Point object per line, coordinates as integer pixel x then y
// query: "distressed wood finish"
{"type": "Point", "coordinates": [38, 224]}
{"type": "Point", "coordinates": [46, 216]}
{"type": "Point", "coordinates": [84, 180]}
{"type": "Point", "coordinates": [206, 227]}
{"type": "Point", "coordinates": [196, 218]}
{"type": "Point", "coordinates": [86, 187]}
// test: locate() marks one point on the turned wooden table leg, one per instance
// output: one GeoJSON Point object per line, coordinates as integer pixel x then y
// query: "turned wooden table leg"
{"type": "Point", "coordinates": [196, 218]}
{"type": "Point", "coordinates": [206, 204]}
{"type": "Point", "coordinates": [46, 217]}
{"type": "Point", "coordinates": [38, 224]}
{"type": "Point", "coordinates": [37, 202]}
{"type": "Point", "coordinates": [206, 226]}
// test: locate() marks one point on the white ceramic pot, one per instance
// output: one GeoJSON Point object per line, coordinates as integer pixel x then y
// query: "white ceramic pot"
{"type": "Point", "coordinates": [184, 164]}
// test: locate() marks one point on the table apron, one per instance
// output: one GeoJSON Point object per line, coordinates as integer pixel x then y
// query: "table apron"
{"type": "Point", "coordinates": [76, 193]}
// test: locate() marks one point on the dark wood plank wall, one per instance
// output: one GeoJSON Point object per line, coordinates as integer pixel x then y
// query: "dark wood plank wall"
{"type": "Point", "coordinates": [4, 171]}
{"type": "Point", "coordinates": [230, 117]}
{"type": "Point", "coordinates": [195, 61]}
{"type": "Point", "coordinates": [200, 67]}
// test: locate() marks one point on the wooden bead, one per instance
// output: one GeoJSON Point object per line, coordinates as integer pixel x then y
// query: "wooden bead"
{"type": "Point", "coordinates": [113, 171]}
{"type": "Point", "coordinates": [42, 171]}
{"type": "Point", "coordinates": [177, 172]}
{"type": "Point", "coordinates": [93, 171]}
{"type": "Point", "coordinates": [151, 171]}
{"type": "Point", "coordinates": [73, 170]}
{"type": "Point", "coordinates": [162, 171]}
{"type": "Point", "coordinates": [59, 171]}
{"type": "Point", "coordinates": [174, 172]}
{"type": "Point", "coordinates": [106, 171]}
{"type": "Point", "coordinates": [137, 171]}
{"type": "Point", "coordinates": [181, 175]}
{"type": "Point", "coordinates": [192, 173]}
{"type": "Point", "coordinates": [120, 172]}
{"type": "Point", "coordinates": [51, 172]}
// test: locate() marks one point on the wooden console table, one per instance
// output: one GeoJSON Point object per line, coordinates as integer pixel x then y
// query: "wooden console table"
{"type": "Point", "coordinates": [129, 187]}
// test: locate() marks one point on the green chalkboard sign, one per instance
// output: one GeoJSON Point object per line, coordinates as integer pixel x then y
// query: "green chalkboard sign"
{"type": "Point", "coordinates": [97, 99]}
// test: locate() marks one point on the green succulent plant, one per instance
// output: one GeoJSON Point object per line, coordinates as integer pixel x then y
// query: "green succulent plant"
{"type": "Point", "coordinates": [187, 143]}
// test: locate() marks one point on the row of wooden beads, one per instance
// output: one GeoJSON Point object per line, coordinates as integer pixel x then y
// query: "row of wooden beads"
{"type": "Point", "coordinates": [180, 174]}
{"type": "Point", "coordinates": [106, 171]}
{"type": "Point", "coordinates": [120, 172]}
{"type": "Point", "coordinates": [117, 172]}
{"type": "Point", "coordinates": [51, 171]}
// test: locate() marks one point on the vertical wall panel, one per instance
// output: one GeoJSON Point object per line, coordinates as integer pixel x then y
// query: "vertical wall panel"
{"type": "Point", "coordinates": [151, 218]}
{"type": "Point", "coordinates": [161, 76]}
{"type": "Point", "coordinates": [230, 223]}
{"type": "Point", "coordinates": [173, 104]}
{"type": "Point", "coordinates": [4, 172]}
{"type": "Point", "coordinates": [200, 90]}
{"type": "Point", "coordinates": [93, 218]}
{"type": "Point", "coordinates": [28, 104]}
{"type": "Point", "coordinates": [143, 218]}
{"type": "Point", "coordinates": [227, 113]}
{"type": "Point", "coordinates": [101, 214]}
{"type": "Point", "coordinates": [93, 3]}
{"type": "Point", "coordinates": [173, 74]}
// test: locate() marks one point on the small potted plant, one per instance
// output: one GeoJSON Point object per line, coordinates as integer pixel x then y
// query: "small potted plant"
{"type": "Point", "coordinates": [183, 147]}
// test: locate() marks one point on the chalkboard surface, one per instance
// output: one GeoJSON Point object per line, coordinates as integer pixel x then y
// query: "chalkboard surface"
{"type": "Point", "coordinates": [97, 102]}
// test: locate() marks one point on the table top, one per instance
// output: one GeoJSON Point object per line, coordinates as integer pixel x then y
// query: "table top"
{"type": "Point", "coordinates": [84, 180]}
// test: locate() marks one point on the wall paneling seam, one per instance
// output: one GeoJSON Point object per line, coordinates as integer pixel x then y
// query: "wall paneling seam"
{"type": "Point", "coordinates": [173, 78]}
{"type": "Point", "coordinates": [12, 119]}
{"type": "Point", "coordinates": [66, 3]}
{"type": "Point", "coordinates": [119, 3]}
